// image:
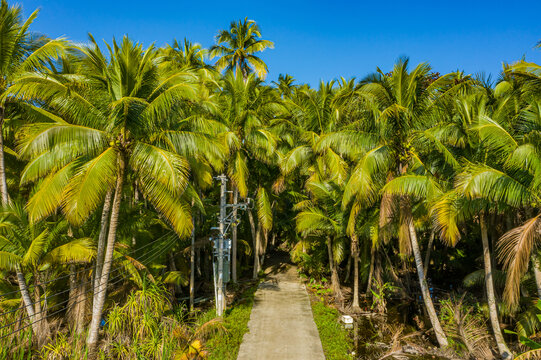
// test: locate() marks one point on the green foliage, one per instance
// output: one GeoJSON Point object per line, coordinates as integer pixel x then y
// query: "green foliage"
{"type": "Point", "coordinates": [225, 345]}
{"type": "Point", "coordinates": [380, 295]}
{"type": "Point", "coordinates": [335, 340]}
{"type": "Point", "coordinates": [319, 288]}
{"type": "Point", "coordinates": [338, 171]}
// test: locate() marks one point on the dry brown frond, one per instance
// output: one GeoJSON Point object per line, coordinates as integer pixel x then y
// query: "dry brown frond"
{"type": "Point", "coordinates": [530, 355]}
{"type": "Point", "coordinates": [514, 251]}
{"type": "Point", "coordinates": [210, 327]}
{"type": "Point", "coordinates": [279, 185]}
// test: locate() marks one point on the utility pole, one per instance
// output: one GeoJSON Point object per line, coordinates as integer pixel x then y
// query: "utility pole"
{"type": "Point", "coordinates": [220, 285]}
{"type": "Point", "coordinates": [222, 245]}
{"type": "Point", "coordinates": [192, 264]}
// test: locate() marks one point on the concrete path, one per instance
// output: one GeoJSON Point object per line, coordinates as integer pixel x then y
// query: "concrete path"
{"type": "Point", "coordinates": [281, 324]}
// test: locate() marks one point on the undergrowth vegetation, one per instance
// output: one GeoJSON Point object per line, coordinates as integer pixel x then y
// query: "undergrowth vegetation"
{"type": "Point", "coordinates": [336, 341]}
{"type": "Point", "coordinates": [393, 193]}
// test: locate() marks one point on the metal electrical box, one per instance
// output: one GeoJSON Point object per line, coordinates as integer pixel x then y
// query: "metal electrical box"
{"type": "Point", "coordinates": [227, 270]}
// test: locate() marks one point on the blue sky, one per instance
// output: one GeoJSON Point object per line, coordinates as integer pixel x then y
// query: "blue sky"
{"type": "Point", "coordinates": [321, 40]}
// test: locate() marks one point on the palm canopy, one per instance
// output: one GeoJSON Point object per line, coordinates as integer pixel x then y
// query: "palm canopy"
{"type": "Point", "coordinates": [117, 109]}
{"type": "Point", "coordinates": [508, 175]}
{"type": "Point", "coordinates": [32, 246]}
{"type": "Point", "coordinates": [321, 215]}
{"type": "Point", "coordinates": [396, 107]}
{"type": "Point", "coordinates": [184, 55]}
{"type": "Point", "coordinates": [21, 50]}
{"type": "Point", "coordinates": [237, 46]}
{"type": "Point", "coordinates": [247, 109]}
{"type": "Point", "coordinates": [313, 115]}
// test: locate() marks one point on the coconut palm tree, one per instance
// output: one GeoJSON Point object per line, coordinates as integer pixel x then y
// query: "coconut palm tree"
{"type": "Point", "coordinates": [237, 46]}
{"type": "Point", "coordinates": [467, 133]}
{"type": "Point", "coordinates": [314, 114]}
{"type": "Point", "coordinates": [20, 51]}
{"type": "Point", "coordinates": [510, 179]}
{"type": "Point", "coordinates": [122, 120]}
{"type": "Point", "coordinates": [184, 55]}
{"type": "Point", "coordinates": [27, 248]}
{"type": "Point", "coordinates": [246, 109]}
{"type": "Point", "coordinates": [395, 106]}
{"type": "Point", "coordinates": [322, 216]}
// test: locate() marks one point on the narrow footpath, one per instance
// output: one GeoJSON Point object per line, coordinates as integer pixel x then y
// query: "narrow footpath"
{"type": "Point", "coordinates": [281, 324]}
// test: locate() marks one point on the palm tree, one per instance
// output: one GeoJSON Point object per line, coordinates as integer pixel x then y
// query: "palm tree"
{"type": "Point", "coordinates": [322, 216]}
{"type": "Point", "coordinates": [470, 132]}
{"type": "Point", "coordinates": [314, 114]}
{"type": "Point", "coordinates": [121, 121]}
{"type": "Point", "coordinates": [285, 85]}
{"type": "Point", "coordinates": [26, 248]}
{"type": "Point", "coordinates": [184, 55]}
{"type": "Point", "coordinates": [237, 46]}
{"type": "Point", "coordinates": [510, 178]}
{"type": "Point", "coordinates": [246, 109]}
{"type": "Point", "coordinates": [20, 51]}
{"type": "Point", "coordinates": [395, 105]}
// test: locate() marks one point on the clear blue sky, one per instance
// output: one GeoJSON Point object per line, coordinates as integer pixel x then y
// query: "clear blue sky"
{"type": "Point", "coordinates": [321, 39]}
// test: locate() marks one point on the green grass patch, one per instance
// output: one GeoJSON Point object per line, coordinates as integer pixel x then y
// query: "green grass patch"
{"type": "Point", "coordinates": [337, 345]}
{"type": "Point", "coordinates": [225, 345]}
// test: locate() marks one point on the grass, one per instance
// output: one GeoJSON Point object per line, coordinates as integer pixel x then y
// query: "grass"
{"type": "Point", "coordinates": [225, 345]}
{"type": "Point", "coordinates": [336, 343]}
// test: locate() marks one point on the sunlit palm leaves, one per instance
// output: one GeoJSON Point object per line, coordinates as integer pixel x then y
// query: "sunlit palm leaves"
{"type": "Point", "coordinates": [237, 46]}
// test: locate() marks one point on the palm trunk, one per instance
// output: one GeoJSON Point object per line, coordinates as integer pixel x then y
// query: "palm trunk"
{"type": "Point", "coordinates": [102, 236]}
{"type": "Point", "coordinates": [348, 269]}
{"type": "Point", "coordinates": [192, 266]}
{"type": "Point", "coordinates": [429, 305]}
{"type": "Point", "coordinates": [135, 201]}
{"type": "Point", "coordinates": [371, 271]}
{"type": "Point", "coordinates": [81, 301]}
{"type": "Point", "coordinates": [355, 256]}
{"type": "Point", "coordinates": [27, 300]}
{"type": "Point", "coordinates": [234, 236]}
{"type": "Point", "coordinates": [77, 300]}
{"type": "Point", "coordinates": [43, 332]}
{"type": "Point", "coordinates": [99, 293]}
{"type": "Point", "coordinates": [263, 247]}
{"type": "Point", "coordinates": [255, 244]}
{"type": "Point", "coordinates": [3, 183]}
{"type": "Point", "coordinates": [536, 272]}
{"type": "Point", "coordinates": [335, 280]}
{"type": "Point", "coordinates": [428, 250]}
{"type": "Point", "coordinates": [489, 282]}
{"type": "Point", "coordinates": [257, 251]}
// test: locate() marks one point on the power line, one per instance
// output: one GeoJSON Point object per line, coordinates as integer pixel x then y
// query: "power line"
{"type": "Point", "coordinates": [80, 271]}
{"type": "Point", "coordinates": [153, 256]}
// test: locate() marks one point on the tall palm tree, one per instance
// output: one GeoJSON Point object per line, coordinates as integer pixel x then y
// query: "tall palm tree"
{"type": "Point", "coordinates": [472, 129]}
{"type": "Point", "coordinates": [314, 114]}
{"type": "Point", "coordinates": [237, 46]}
{"type": "Point", "coordinates": [184, 55]}
{"type": "Point", "coordinates": [20, 51]}
{"type": "Point", "coordinates": [121, 121]}
{"type": "Point", "coordinates": [395, 106]}
{"type": "Point", "coordinates": [246, 109]}
{"type": "Point", "coordinates": [511, 178]}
